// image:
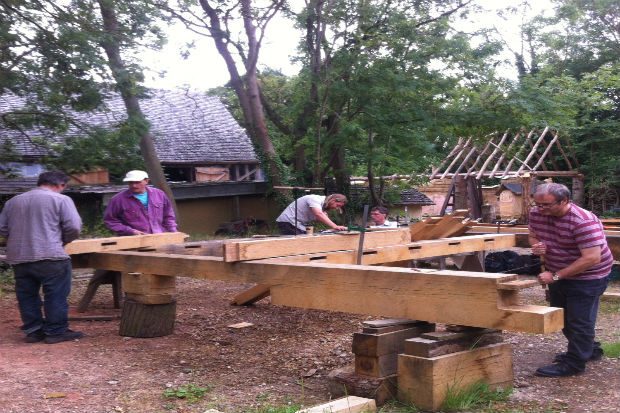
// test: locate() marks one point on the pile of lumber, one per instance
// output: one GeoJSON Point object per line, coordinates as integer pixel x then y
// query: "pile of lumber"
{"type": "Point", "coordinates": [450, 225]}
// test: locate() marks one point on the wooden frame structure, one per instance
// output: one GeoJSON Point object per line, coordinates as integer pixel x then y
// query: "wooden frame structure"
{"type": "Point", "coordinates": [510, 156]}
{"type": "Point", "coordinates": [522, 155]}
{"type": "Point", "coordinates": [323, 277]}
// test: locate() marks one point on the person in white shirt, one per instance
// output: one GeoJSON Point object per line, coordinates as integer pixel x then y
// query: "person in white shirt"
{"type": "Point", "coordinates": [378, 216]}
{"type": "Point", "coordinates": [310, 208]}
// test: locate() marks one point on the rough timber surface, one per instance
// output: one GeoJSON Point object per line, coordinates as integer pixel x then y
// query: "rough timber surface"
{"type": "Point", "coordinates": [84, 246]}
{"type": "Point", "coordinates": [454, 297]}
{"type": "Point", "coordinates": [284, 246]}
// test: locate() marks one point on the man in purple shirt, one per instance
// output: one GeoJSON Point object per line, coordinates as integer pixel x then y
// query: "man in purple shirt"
{"type": "Point", "coordinates": [139, 209]}
{"type": "Point", "coordinates": [578, 262]}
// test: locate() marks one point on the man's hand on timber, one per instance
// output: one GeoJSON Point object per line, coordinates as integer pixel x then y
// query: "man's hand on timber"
{"type": "Point", "coordinates": [545, 278]}
{"type": "Point", "coordinates": [340, 228]}
{"type": "Point", "coordinates": [539, 248]}
{"type": "Point", "coordinates": [136, 232]}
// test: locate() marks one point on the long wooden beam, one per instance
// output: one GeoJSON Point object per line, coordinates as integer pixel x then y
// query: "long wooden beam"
{"type": "Point", "coordinates": [277, 247]}
{"type": "Point", "coordinates": [454, 297]}
{"type": "Point", "coordinates": [613, 236]}
{"type": "Point", "coordinates": [83, 246]}
{"type": "Point", "coordinates": [411, 251]}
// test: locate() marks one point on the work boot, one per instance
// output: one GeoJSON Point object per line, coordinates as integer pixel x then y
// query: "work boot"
{"type": "Point", "coordinates": [597, 354]}
{"type": "Point", "coordinates": [68, 335]}
{"type": "Point", "coordinates": [35, 336]}
{"type": "Point", "coordinates": [557, 370]}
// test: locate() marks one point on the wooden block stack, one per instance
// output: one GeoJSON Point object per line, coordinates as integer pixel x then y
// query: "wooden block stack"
{"type": "Point", "coordinates": [377, 347]}
{"type": "Point", "coordinates": [436, 362]}
{"type": "Point", "coordinates": [376, 351]}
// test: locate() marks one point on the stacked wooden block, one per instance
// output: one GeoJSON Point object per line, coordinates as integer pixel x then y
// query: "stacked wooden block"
{"type": "Point", "coordinates": [438, 362]}
{"type": "Point", "coordinates": [376, 351]}
{"type": "Point", "coordinates": [377, 347]}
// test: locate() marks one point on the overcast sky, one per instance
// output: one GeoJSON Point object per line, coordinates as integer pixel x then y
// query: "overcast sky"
{"type": "Point", "coordinates": [204, 68]}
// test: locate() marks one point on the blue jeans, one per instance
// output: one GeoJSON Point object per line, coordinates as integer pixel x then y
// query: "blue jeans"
{"type": "Point", "coordinates": [580, 301]}
{"type": "Point", "coordinates": [55, 279]}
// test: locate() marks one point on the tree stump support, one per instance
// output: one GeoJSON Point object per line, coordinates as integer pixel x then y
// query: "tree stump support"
{"type": "Point", "coordinates": [150, 307]}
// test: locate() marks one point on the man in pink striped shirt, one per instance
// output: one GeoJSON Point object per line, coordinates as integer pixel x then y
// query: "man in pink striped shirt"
{"type": "Point", "coordinates": [578, 261]}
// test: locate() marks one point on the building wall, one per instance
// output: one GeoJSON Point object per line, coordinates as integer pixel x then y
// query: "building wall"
{"type": "Point", "coordinates": [436, 190]}
{"type": "Point", "coordinates": [204, 216]}
{"type": "Point", "coordinates": [413, 212]}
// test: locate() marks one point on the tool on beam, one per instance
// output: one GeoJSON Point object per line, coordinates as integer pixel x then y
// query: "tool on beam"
{"type": "Point", "coordinates": [360, 247]}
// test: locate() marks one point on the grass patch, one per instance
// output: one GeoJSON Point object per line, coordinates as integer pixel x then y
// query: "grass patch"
{"type": "Point", "coordinates": [189, 392]}
{"type": "Point", "coordinates": [476, 395]}
{"type": "Point", "coordinates": [397, 407]}
{"type": "Point", "coordinates": [609, 307]}
{"type": "Point", "coordinates": [292, 408]}
{"type": "Point", "coordinates": [612, 350]}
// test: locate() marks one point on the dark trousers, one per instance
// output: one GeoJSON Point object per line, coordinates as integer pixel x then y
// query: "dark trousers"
{"type": "Point", "coordinates": [287, 228]}
{"type": "Point", "coordinates": [580, 301]}
{"type": "Point", "coordinates": [54, 278]}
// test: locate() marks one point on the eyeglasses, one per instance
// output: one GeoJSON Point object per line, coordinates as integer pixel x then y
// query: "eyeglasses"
{"type": "Point", "coordinates": [544, 205]}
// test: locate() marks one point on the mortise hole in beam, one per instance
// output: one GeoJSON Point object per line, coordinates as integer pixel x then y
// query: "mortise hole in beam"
{"type": "Point", "coordinates": [322, 257]}
{"type": "Point", "coordinates": [489, 240]}
{"type": "Point", "coordinates": [103, 244]}
{"type": "Point", "coordinates": [417, 247]}
{"type": "Point", "coordinates": [454, 243]}
{"type": "Point", "coordinates": [192, 246]}
{"type": "Point", "coordinates": [369, 253]}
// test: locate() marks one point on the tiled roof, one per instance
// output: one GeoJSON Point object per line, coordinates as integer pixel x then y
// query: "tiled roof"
{"type": "Point", "coordinates": [189, 127]}
{"type": "Point", "coordinates": [414, 197]}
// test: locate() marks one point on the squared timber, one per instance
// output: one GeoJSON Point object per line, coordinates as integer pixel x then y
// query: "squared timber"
{"type": "Point", "coordinates": [373, 345]}
{"type": "Point", "coordinates": [84, 246]}
{"type": "Point", "coordinates": [138, 283]}
{"type": "Point", "coordinates": [349, 404]}
{"type": "Point", "coordinates": [424, 382]}
{"type": "Point", "coordinates": [453, 297]}
{"type": "Point", "coordinates": [277, 247]}
{"type": "Point", "coordinates": [411, 250]}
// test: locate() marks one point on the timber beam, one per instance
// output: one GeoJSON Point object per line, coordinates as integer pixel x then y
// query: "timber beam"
{"type": "Point", "coordinates": [84, 246]}
{"type": "Point", "coordinates": [411, 251]}
{"type": "Point", "coordinates": [283, 246]}
{"type": "Point", "coordinates": [452, 297]}
{"type": "Point", "coordinates": [522, 231]}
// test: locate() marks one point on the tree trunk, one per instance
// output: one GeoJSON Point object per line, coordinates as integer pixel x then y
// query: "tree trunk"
{"type": "Point", "coordinates": [147, 320]}
{"type": "Point", "coordinates": [247, 89]}
{"type": "Point", "coordinates": [126, 83]}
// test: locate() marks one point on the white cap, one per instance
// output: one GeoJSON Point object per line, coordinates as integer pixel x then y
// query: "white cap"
{"type": "Point", "coordinates": [135, 176]}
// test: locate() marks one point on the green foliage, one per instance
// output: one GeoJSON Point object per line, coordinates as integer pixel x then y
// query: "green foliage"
{"type": "Point", "coordinates": [116, 150]}
{"type": "Point", "coordinates": [291, 408]}
{"type": "Point", "coordinates": [477, 395]}
{"type": "Point", "coordinates": [612, 350]}
{"type": "Point", "coordinates": [188, 392]}
{"type": "Point", "coordinates": [7, 281]}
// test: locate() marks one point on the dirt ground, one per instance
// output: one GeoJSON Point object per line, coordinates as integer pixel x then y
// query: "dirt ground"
{"type": "Point", "coordinates": [283, 358]}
